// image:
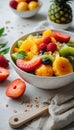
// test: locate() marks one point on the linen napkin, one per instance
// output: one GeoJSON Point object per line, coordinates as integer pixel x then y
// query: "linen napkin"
{"type": "Point", "coordinates": [61, 109]}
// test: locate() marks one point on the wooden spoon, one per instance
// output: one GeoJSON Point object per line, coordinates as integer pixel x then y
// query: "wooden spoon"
{"type": "Point", "coordinates": [21, 119]}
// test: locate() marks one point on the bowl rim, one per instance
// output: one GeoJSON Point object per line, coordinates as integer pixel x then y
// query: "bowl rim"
{"type": "Point", "coordinates": [30, 74]}
{"type": "Point", "coordinates": [27, 11]}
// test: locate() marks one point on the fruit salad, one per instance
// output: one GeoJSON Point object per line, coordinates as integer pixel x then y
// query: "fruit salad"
{"type": "Point", "coordinates": [24, 5]}
{"type": "Point", "coordinates": [45, 53]}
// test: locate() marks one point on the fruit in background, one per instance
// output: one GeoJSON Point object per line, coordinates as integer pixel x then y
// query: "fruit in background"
{"type": "Point", "coordinates": [16, 88]}
{"type": "Point", "coordinates": [65, 50]}
{"type": "Point", "coordinates": [44, 70]}
{"type": "Point", "coordinates": [13, 4]}
{"type": "Point", "coordinates": [33, 5]}
{"type": "Point", "coordinates": [46, 39]}
{"type": "Point", "coordinates": [61, 37]}
{"type": "Point", "coordinates": [3, 61]}
{"type": "Point", "coordinates": [4, 73]}
{"type": "Point", "coordinates": [62, 66]}
{"type": "Point", "coordinates": [22, 6]}
{"type": "Point", "coordinates": [60, 11]}
{"type": "Point", "coordinates": [51, 47]}
{"type": "Point", "coordinates": [21, 0]}
{"type": "Point", "coordinates": [28, 66]}
{"type": "Point", "coordinates": [31, 0]}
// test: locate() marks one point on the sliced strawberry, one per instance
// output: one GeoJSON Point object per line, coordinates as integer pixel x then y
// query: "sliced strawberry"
{"type": "Point", "coordinates": [61, 37]}
{"type": "Point", "coordinates": [3, 61]}
{"type": "Point", "coordinates": [28, 65]}
{"type": "Point", "coordinates": [16, 88]}
{"type": "Point", "coordinates": [4, 73]}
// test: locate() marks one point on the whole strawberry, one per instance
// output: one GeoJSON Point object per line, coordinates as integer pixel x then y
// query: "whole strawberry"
{"type": "Point", "coordinates": [3, 61]}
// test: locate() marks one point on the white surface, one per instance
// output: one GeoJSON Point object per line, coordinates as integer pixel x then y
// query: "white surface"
{"type": "Point", "coordinates": [15, 28]}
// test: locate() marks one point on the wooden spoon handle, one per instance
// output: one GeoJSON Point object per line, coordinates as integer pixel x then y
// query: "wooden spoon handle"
{"type": "Point", "coordinates": [19, 120]}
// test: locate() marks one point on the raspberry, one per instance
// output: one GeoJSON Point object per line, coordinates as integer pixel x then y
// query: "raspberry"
{"type": "Point", "coordinates": [42, 46]}
{"type": "Point", "coordinates": [51, 47]}
{"type": "Point", "coordinates": [46, 39]}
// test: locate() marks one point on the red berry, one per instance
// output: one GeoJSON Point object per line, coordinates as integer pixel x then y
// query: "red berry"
{"type": "Point", "coordinates": [46, 39]}
{"type": "Point", "coordinates": [16, 88]}
{"type": "Point", "coordinates": [4, 73]}
{"type": "Point", "coordinates": [42, 46]}
{"type": "Point", "coordinates": [13, 4]}
{"type": "Point", "coordinates": [61, 37]}
{"type": "Point", "coordinates": [3, 61]}
{"type": "Point", "coordinates": [28, 65]}
{"type": "Point", "coordinates": [51, 47]}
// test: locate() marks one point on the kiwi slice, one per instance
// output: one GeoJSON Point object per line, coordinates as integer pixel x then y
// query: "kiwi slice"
{"type": "Point", "coordinates": [19, 43]}
{"type": "Point", "coordinates": [49, 56]}
{"type": "Point", "coordinates": [65, 50]}
{"type": "Point", "coordinates": [71, 43]}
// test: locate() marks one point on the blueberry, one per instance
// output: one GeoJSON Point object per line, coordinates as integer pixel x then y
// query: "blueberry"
{"type": "Point", "coordinates": [46, 61]}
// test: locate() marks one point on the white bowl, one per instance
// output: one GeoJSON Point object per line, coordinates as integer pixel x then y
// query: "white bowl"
{"type": "Point", "coordinates": [59, 26]}
{"type": "Point", "coordinates": [27, 14]}
{"type": "Point", "coordinates": [42, 81]}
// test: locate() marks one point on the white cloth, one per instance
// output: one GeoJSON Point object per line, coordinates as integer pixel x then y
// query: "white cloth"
{"type": "Point", "coordinates": [61, 109]}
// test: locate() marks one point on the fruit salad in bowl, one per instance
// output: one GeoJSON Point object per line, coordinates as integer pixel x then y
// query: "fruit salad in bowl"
{"type": "Point", "coordinates": [45, 58]}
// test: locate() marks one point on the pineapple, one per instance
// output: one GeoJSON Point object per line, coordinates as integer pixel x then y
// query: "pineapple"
{"type": "Point", "coordinates": [60, 12]}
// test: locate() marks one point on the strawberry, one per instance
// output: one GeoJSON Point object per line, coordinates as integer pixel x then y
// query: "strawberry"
{"type": "Point", "coordinates": [46, 39]}
{"type": "Point", "coordinates": [16, 88]}
{"type": "Point", "coordinates": [61, 37]}
{"type": "Point", "coordinates": [42, 46]}
{"type": "Point", "coordinates": [13, 4]}
{"type": "Point", "coordinates": [28, 65]}
{"type": "Point", "coordinates": [4, 73]}
{"type": "Point", "coordinates": [3, 61]}
{"type": "Point", "coordinates": [51, 47]}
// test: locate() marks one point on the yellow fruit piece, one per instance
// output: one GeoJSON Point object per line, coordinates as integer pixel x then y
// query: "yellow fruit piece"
{"type": "Point", "coordinates": [22, 6]}
{"type": "Point", "coordinates": [29, 46]}
{"type": "Point", "coordinates": [44, 70]}
{"type": "Point", "coordinates": [47, 32]}
{"type": "Point", "coordinates": [38, 40]}
{"type": "Point", "coordinates": [62, 66]}
{"type": "Point", "coordinates": [33, 5]}
{"type": "Point", "coordinates": [30, 55]}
